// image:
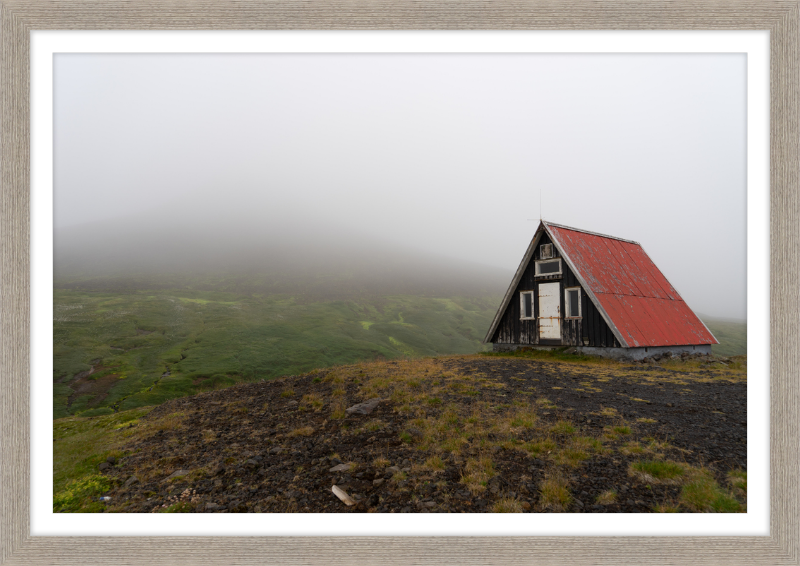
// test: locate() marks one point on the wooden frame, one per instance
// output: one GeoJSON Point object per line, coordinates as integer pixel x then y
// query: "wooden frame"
{"type": "Point", "coordinates": [522, 305]}
{"type": "Point", "coordinates": [539, 262]}
{"type": "Point", "coordinates": [19, 17]}
{"type": "Point", "coordinates": [568, 315]}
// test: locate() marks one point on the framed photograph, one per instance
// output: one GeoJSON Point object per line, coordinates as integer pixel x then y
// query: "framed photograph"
{"type": "Point", "coordinates": [37, 45]}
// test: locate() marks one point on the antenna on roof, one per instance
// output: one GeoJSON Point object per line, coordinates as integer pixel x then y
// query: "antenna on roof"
{"type": "Point", "coordinates": [540, 207]}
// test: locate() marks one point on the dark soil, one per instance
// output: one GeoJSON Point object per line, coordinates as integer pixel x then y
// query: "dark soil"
{"type": "Point", "coordinates": [233, 451]}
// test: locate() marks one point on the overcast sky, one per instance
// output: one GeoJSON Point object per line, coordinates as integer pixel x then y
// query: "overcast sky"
{"type": "Point", "coordinates": [442, 153]}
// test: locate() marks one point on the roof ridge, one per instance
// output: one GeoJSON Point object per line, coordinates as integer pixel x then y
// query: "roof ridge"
{"type": "Point", "coordinates": [547, 223]}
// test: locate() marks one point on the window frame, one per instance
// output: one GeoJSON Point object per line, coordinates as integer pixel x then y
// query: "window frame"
{"type": "Point", "coordinates": [551, 255]}
{"type": "Point", "coordinates": [567, 314]}
{"type": "Point", "coordinates": [538, 262]}
{"type": "Point", "coordinates": [522, 306]}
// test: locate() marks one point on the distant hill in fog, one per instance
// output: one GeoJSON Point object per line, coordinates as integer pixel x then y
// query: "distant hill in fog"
{"type": "Point", "coordinates": [256, 252]}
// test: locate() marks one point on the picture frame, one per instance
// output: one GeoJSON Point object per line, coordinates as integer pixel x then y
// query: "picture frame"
{"type": "Point", "coordinates": [20, 17]}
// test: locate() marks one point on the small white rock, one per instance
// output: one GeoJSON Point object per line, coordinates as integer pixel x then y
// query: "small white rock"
{"type": "Point", "coordinates": [341, 494]}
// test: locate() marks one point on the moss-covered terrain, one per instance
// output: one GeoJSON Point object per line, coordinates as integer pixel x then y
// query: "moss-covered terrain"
{"type": "Point", "coordinates": [531, 432]}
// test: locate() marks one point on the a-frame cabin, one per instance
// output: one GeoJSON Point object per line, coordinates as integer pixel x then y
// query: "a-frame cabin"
{"type": "Point", "coordinates": [601, 294]}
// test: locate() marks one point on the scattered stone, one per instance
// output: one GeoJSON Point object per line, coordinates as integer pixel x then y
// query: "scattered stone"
{"type": "Point", "coordinates": [251, 464]}
{"type": "Point", "coordinates": [414, 432]}
{"type": "Point", "coordinates": [340, 468]}
{"type": "Point", "coordinates": [213, 507]}
{"type": "Point", "coordinates": [364, 408]}
{"type": "Point", "coordinates": [131, 480]}
{"type": "Point", "coordinates": [104, 466]}
{"type": "Point", "coordinates": [342, 495]}
{"type": "Point", "coordinates": [177, 473]}
{"type": "Point", "coordinates": [111, 460]}
{"type": "Point", "coordinates": [378, 482]}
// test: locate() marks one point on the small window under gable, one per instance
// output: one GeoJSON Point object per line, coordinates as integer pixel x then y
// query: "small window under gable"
{"type": "Point", "coordinates": [572, 302]}
{"type": "Point", "coordinates": [526, 305]}
{"type": "Point", "coordinates": [546, 251]}
{"type": "Point", "coordinates": [548, 267]}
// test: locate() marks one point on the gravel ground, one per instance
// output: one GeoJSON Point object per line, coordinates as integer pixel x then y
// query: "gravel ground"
{"type": "Point", "coordinates": [271, 446]}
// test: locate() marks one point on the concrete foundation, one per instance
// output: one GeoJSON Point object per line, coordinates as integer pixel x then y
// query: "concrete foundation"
{"type": "Point", "coordinates": [615, 353]}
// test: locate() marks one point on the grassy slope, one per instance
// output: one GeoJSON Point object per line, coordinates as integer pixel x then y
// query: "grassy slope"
{"type": "Point", "coordinates": [80, 444]}
{"type": "Point", "coordinates": [211, 339]}
{"type": "Point", "coordinates": [732, 336]}
{"type": "Point", "coordinates": [208, 340]}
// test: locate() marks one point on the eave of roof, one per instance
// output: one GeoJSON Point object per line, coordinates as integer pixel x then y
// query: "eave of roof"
{"type": "Point", "coordinates": [515, 281]}
{"type": "Point", "coordinates": [553, 224]}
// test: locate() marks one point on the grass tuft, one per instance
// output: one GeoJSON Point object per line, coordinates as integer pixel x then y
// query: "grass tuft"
{"type": "Point", "coordinates": [478, 472]}
{"type": "Point", "coordinates": [703, 494]}
{"type": "Point", "coordinates": [554, 494]}
{"type": "Point", "coordinates": [738, 480]}
{"type": "Point", "coordinates": [80, 495]}
{"type": "Point", "coordinates": [507, 505]}
{"type": "Point", "coordinates": [608, 497]}
{"type": "Point", "coordinates": [338, 407]}
{"type": "Point", "coordinates": [304, 431]}
{"type": "Point", "coordinates": [563, 427]}
{"type": "Point", "coordinates": [312, 401]}
{"type": "Point", "coordinates": [435, 464]}
{"type": "Point", "coordinates": [657, 471]}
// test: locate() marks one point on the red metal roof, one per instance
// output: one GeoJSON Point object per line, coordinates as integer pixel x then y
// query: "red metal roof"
{"type": "Point", "coordinates": [639, 302]}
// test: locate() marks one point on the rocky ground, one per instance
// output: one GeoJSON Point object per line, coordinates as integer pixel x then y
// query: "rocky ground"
{"type": "Point", "coordinates": [457, 434]}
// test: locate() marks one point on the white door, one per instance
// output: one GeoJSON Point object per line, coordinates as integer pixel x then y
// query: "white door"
{"type": "Point", "coordinates": [550, 311]}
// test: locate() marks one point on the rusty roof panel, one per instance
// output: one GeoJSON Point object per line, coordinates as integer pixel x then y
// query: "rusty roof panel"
{"type": "Point", "coordinates": [635, 271]}
{"type": "Point", "coordinates": [624, 323]}
{"type": "Point", "coordinates": [593, 257]}
{"type": "Point", "coordinates": [633, 293]}
{"type": "Point", "coordinates": [640, 258]}
{"type": "Point", "coordinates": [648, 321]}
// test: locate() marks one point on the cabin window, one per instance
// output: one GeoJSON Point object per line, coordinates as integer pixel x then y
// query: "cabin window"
{"type": "Point", "coordinates": [526, 305]}
{"type": "Point", "coordinates": [572, 300]}
{"type": "Point", "coordinates": [545, 251]}
{"type": "Point", "coordinates": [549, 267]}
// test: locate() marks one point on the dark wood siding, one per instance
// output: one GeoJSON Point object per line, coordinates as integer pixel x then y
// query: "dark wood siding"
{"type": "Point", "coordinates": [589, 330]}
